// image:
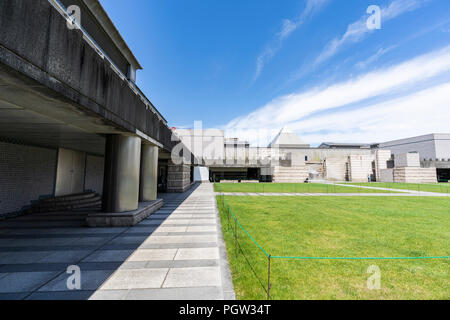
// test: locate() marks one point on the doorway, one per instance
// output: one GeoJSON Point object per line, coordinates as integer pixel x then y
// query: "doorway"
{"type": "Point", "coordinates": [70, 172]}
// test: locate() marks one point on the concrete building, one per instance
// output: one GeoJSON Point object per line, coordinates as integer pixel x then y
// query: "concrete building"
{"type": "Point", "coordinates": [433, 151]}
{"type": "Point", "coordinates": [76, 131]}
{"type": "Point", "coordinates": [289, 159]}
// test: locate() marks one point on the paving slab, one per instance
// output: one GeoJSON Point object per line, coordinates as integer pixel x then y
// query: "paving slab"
{"type": "Point", "coordinates": [153, 254]}
{"type": "Point", "coordinates": [196, 293]}
{"type": "Point", "coordinates": [61, 295]}
{"type": "Point", "coordinates": [135, 279]}
{"type": "Point", "coordinates": [109, 295]}
{"type": "Point", "coordinates": [24, 281]}
{"type": "Point", "coordinates": [109, 255]}
{"type": "Point", "coordinates": [193, 277]}
{"type": "Point", "coordinates": [90, 280]}
{"type": "Point", "coordinates": [197, 253]}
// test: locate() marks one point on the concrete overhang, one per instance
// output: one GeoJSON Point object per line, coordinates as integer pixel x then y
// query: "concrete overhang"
{"type": "Point", "coordinates": [99, 12]}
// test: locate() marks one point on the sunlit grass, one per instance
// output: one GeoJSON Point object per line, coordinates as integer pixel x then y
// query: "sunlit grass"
{"type": "Point", "coordinates": [339, 227]}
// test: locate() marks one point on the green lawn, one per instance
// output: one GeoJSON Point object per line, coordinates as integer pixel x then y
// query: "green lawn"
{"type": "Point", "coordinates": [289, 188]}
{"type": "Point", "coordinates": [339, 227]}
{"type": "Point", "coordinates": [437, 187]}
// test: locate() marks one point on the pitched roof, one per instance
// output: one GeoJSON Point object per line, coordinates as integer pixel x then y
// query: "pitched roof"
{"type": "Point", "coordinates": [288, 139]}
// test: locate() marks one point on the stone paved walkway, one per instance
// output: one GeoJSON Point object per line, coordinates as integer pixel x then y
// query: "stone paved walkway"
{"type": "Point", "coordinates": [184, 258]}
{"type": "Point", "coordinates": [178, 253]}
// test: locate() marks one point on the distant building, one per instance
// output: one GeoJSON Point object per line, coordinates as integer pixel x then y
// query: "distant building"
{"type": "Point", "coordinates": [433, 150]}
{"type": "Point", "coordinates": [435, 146]}
{"type": "Point", "coordinates": [288, 158]}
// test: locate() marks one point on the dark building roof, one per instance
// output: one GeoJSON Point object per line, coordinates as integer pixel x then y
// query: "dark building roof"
{"type": "Point", "coordinates": [338, 145]}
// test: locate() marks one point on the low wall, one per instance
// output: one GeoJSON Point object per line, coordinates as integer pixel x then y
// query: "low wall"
{"type": "Point", "coordinates": [415, 175]}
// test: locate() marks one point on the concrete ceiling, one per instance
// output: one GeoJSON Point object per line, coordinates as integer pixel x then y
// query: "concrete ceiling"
{"type": "Point", "coordinates": [33, 115]}
{"type": "Point", "coordinates": [22, 125]}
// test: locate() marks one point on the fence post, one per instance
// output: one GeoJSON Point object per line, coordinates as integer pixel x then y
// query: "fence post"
{"type": "Point", "coordinates": [228, 216]}
{"type": "Point", "coordinates": [268, 278]}
{"type": "Point", "coordinates": [235, 236]}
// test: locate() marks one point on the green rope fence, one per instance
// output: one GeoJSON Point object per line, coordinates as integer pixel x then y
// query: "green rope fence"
{"type": "Point", "coordinates": [270, 257]}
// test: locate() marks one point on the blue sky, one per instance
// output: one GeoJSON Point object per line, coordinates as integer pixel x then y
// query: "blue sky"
{"type": "Point", "coordinates": [309, 65]}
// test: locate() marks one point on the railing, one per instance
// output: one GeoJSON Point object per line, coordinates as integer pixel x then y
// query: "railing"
{"type": "Point", "coordinates": [63, 11]}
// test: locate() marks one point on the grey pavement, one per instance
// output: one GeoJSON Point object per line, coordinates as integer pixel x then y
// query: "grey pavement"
{"type": "Point", "coordinates": [177, 253]}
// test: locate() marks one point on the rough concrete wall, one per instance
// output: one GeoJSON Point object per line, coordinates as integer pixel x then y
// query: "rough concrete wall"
{"type": "Point", "coordinates": [442, 146]}
{"type": "Point", "coordinates": [316, 154]}
{"type": "Point", "coordinates": [359, 168]}
{"type": "Point", "coordinates": [407, 160]}
{"type": "Point", "coordinates": [178, 178]}
{"type": "Point", "coordinates": [316, 167]}
{"type": "Point", "coordinates": [94, 173]}
{"type": "Point", "coordinates": [292, 174]}
{"type": "Point", "coordinates": [381, 158]}
{"type": "Point", "coordinates": [70, 67]}
{"type": "Point", "coordinates": [26, 173]}
{"type": "Point", "coordinates": [424, 145]}
{"type": "Point", "coordinates": [415, 175]}
{"type": "Point", "coordinates": [335, 169]}
{"type": "Point", "coordinates": [386, 175]}
{"type": "Point", "coordinates": [92, 26]}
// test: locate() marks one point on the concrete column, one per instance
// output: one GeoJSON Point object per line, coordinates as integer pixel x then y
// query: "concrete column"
{"type": "Point", "coordinates": [149, 173]}
{"type": "Point", "coordinates": [178, 178]}
{"type": "Point", "coordinates": [122, 168]}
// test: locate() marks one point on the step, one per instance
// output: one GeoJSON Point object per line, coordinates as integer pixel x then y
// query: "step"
{"type": "Point", "coordinates": [72, 197]}
{"type": "Point", "coordinates": [68, 202]}
{"type": "Point", "coordinates": [73, 207]}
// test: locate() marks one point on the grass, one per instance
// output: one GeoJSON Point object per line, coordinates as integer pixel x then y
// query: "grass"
{"type": "Point", "coordinates": [290, 188]}
{"type": "Point", "coordinates": [339, 227]}
{"type": "Point", "coordinates": [437, 187]}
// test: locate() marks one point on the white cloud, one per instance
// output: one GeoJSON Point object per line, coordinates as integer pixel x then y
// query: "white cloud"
{"type": "Point", "coordinates": [291, 110]}
{"type": "Point", "coordinates": [419, 113]}
{"type": "Point", "coordinates": [357, 30]}
{"type": "Point", "coordinates": [289, 26]}
{"type": "Point", "coordinates": [381, 52]}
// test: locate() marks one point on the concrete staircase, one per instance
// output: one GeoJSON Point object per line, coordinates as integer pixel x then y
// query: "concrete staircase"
{"type": "Point", "coordinates": [290, 174]}
{"type": "Point", "coordinates": [67, 203]}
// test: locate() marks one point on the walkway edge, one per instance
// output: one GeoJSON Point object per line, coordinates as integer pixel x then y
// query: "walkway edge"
{"type": "Point", "coordinates": [225, 272]}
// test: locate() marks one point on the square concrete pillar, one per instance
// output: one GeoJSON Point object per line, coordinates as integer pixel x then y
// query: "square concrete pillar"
{"type": "Point", "coordinates": [178, 178]}
{"type": "Point", "coordinates": [148, 186]}
{"type": "Point", "coordinates": [122, 169]}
